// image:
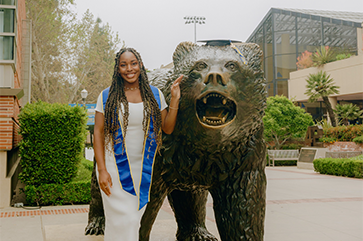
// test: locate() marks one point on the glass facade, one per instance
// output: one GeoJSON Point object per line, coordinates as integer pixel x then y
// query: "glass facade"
{"type": "Point", "coordinates": [284, 34]}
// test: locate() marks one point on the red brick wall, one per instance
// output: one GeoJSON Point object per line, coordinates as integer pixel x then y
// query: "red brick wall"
{"type": "Point", "coordinates": [7, 121]}
{"type": "Point", "coordinates": [6, 134]}
{"type": "Point", "coordinates": [21, 14]}
{"type": "Point", "coordinates": [9, 105]}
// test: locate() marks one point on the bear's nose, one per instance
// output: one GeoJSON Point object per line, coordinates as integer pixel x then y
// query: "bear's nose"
{"type": "Point", "coordinates": [215, 78]}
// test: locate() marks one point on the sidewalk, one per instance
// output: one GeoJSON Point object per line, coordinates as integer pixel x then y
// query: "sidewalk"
{"type": "Point", "coordinates": [301, 206]}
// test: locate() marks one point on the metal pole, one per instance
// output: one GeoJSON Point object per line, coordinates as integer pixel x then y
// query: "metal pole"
{"type": "Point", "coordinates": [195, 32]}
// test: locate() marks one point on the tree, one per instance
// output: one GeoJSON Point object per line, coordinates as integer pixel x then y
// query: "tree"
{"type": "Point", "coordinates": [348, 112]}
{"type": "Point", "coordinates": [68, 54]}
{"type": "Point", "coordinates": [96, 49]}
{"type": "Point", "coordinates": [320, 85]}
{"type": "Point", "coordinates": [283, 121]}
{"type": "Point", "coordinates": [52, 23]}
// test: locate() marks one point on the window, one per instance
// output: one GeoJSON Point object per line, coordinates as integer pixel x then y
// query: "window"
{"type": "Point", "coordinates": [6, 48]}
{"type": "Point", "coordinates": [6, 20]}
{"type": "Point", "coordinates": [7, 30]}
{"type": "Point", "coordinates": [7, 2]}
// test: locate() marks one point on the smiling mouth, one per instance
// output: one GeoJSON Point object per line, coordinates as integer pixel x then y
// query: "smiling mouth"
{"type": "Point", "coordinates": [215, 110]}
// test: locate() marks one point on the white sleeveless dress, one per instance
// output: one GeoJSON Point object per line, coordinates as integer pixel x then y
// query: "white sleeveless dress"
{"type": "Point", "coordinates": [121, 208]}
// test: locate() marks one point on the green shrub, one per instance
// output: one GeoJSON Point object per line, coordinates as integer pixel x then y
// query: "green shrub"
{"type": "Point", "coordinates": [53, 142]}
{"type": "Point", "coordinates": [328, 139]}
{"type": "Point", "coordinates": [343, 133]}
{"type": "Point", "coordinates": [84, 172]}
{"type": "Point", "coordinates": [342, 56]}
{"type": "Point", "coordinates": [58, 194]}
{"type": "Point", "coordinates": [348, 167]}
{"type": "Point", "coordinates": [358, 140]}
{"type": "Point", "coordinates": [286, 163]}
{"type": "Point", "coordinates": [292, 146]}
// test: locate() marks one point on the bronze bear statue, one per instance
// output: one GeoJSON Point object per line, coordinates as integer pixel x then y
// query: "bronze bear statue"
{"type": "Point", "coordinates": [217, 145]}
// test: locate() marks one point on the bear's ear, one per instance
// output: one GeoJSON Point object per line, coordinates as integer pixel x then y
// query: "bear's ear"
{"type": "Point", "coordinates": [182, 49]}
{"type": "Point", "coordinates": [252, 53]}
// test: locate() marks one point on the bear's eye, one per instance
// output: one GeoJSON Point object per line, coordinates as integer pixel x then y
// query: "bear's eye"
{"type": "Point", "coordinates": [200, 66]}
{"type": "Point", "coordinates": [231, 66]}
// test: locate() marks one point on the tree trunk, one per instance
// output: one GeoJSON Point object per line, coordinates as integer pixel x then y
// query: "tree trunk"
{"type": "Point", "coordinates": [330, 111]}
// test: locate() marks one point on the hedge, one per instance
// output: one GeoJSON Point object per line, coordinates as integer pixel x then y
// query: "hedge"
{"type": "Point", "coordinates": [53, 142]}
{"type": "Point", "coordinates": [58, 194]}
{"type": "Point", "coordinates": [342, 133]}
{"type": "Point", "coordinates": [349, 167]}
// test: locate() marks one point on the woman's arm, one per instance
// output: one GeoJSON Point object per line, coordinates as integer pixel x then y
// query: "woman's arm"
{"type": "Point", "coordinates": [104, 177]}
{"type": "Point", "coordinates": [169, 118]}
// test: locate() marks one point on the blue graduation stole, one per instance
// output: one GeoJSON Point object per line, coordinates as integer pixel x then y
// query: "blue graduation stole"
{"type": "Point", "coordinates": [121, 157]}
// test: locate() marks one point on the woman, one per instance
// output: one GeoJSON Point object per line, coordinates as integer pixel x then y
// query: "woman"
{"type": "Point", "coordinates": [129, 117]}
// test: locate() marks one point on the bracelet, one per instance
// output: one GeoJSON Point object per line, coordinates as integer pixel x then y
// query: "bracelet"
{"type": "Point", "coordinates": [173, 108]}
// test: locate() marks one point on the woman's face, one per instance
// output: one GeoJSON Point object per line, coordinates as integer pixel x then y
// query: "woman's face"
{"type": "Point", "coordinates": [129, 68]}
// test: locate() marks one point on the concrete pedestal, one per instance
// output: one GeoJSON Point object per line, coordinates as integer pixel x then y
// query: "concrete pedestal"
{"type": "Point", "coordinates": [308, 155]}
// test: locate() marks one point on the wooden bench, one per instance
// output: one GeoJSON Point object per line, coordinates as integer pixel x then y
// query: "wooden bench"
{"type": "Point", "coordinates": [282, 155]}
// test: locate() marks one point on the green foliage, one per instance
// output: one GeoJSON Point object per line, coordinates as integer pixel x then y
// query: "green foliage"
{"type": "Point", "coordinates": [53, 142]}
{"type": "Point", "coordinates": [348, 112]}
{"type": "Point", "coordinates": [343, 133]}
{"type": "Point", "coordinates": [320, 85]}
{"type": "Point", "coordinates": [323, 124]}
{"type": "Point", "coordinates": [358, 140]}
{"type": "Point", "coordinates": [84, 172]}
{"type": "Point", "coordinates": [58, 194]}
{"type": "Point", "coordinates": [286, 163]}
{"type": "Point", "coordinates": [292, 146]}
{"type": "Point", "coordinates": [283, 121]}
{"type": "Point", "coordinates": [323, 56]}
{"type": "Point", "coordinates": [328, 139]}
{"type": "Point", "coordinates": [342, 56]}
{"type": "Point", "coordinates": [349, 167]}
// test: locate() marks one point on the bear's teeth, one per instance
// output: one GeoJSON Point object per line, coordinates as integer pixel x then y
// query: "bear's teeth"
{"type": "Point", "coordinates": [224, 101]}
{"type": "Point", "coordinates": [204, 118]}
{"type": "Point", "coordinates": [205, 100]}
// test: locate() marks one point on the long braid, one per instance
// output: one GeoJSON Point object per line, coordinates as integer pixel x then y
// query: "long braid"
{"type": "Point", "coordinates": [117, 97]}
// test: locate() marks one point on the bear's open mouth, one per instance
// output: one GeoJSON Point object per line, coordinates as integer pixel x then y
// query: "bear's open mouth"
{"type": "Point", "coordinates": [215, 110]}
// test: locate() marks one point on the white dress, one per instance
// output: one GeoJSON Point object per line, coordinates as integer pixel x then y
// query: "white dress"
{"type": "Point", "coordinates": [121, 208]}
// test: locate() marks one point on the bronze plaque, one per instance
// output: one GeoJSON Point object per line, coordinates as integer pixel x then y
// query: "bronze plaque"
{"type": "Point", "coordinates": [307, 155]}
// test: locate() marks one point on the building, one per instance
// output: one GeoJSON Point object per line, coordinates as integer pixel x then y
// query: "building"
{"type": "Point", "coordinates": [15, 54]}
{"type": "Point", "coordinates": [284, 34]}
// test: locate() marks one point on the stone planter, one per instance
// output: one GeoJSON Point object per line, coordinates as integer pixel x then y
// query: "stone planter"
{"type": "Point", "coordinates": [341, 146]}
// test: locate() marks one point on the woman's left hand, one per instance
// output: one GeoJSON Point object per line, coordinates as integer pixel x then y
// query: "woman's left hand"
{"type": "Point", "coordinates": [175, 88]}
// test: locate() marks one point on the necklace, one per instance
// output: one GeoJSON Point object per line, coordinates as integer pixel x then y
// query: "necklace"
{"type": "Point", "coordinates": [128, 88]}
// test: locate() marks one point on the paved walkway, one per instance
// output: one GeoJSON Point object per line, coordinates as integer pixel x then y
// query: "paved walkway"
{"type": "Point", "coordinates": [301, 206]}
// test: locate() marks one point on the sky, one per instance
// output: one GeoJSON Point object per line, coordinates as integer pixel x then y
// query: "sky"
{"type": "Point", "coordinates": [155, 27]}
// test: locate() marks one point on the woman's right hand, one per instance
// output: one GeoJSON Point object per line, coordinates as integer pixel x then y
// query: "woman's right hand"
{"type": "Point", "coordinates": [105, 181]}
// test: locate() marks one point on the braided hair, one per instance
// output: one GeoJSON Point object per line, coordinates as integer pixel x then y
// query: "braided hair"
{"type": "Point", "coordinates": [117, 97]}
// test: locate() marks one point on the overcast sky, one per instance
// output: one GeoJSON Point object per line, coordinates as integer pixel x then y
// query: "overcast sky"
{"type": "Point", "coordinates": [155, 27]}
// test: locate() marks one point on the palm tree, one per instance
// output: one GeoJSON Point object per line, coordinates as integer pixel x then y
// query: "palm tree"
{"type": "Point", "coordinates": [348, 112]}
{"type": "Point", "coordinates": [320, 85]}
